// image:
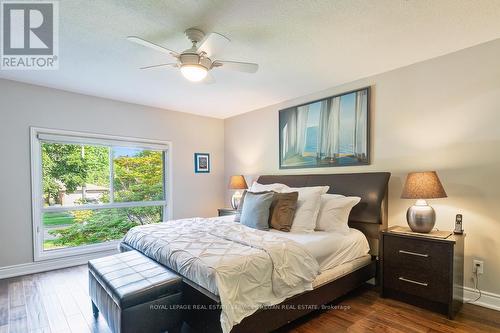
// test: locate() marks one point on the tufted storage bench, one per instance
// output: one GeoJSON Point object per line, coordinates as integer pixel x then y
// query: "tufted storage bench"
{"type": "Point", "coordinates": [135, 294]}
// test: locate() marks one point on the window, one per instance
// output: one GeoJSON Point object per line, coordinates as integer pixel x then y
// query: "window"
{"type": "Point", "coordinates": [89, 190]}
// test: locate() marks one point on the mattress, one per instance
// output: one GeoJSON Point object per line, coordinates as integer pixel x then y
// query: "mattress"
{"type": "Point", "coordinates": [331, 249]}
{"type": "Point", "coordinates": [339, 271]}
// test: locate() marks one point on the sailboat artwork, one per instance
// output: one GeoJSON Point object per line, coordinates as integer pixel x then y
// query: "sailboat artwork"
{"type": "Point", "coordinates": [326, 133]}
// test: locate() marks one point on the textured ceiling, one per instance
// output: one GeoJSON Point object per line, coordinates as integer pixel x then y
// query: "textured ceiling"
{"type": "Point", "coordinates": [301, 46]}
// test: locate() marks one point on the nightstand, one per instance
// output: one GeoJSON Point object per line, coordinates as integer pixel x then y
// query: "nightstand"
{"type": "Point", "coordinates": [226, 211]}
{"type": "Point", "coordinates": [422, 270]}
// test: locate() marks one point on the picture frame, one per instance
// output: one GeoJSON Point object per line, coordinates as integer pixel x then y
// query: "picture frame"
{"type": "Point", "coordinates": [202, 163]}
{"type": "Point", "coordinates": [328, 132]}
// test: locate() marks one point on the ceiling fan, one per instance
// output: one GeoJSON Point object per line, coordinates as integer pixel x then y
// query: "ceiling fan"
{"type": "Point", "coordinates": [197, 61]}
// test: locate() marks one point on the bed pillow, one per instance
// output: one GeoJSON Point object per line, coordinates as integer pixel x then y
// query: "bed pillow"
{"type": "Point", "coordinates": [276, 187]}
{"type": "Point", "coordinates": [255, 211]}
{"type": "Point", "coordinates": [237, 216]}
{"type": "Point", "coordinates": [308, 204]}
{"type": "Point", "coordinates": [334, 213]}
{"type": "Point", "coordinates": [283, 210]}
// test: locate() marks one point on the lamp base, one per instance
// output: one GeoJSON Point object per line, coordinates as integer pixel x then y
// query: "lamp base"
{"type": "Point", "coordinates": [236, 199]}
{"type": "Point", "coordinates": [421, 217]}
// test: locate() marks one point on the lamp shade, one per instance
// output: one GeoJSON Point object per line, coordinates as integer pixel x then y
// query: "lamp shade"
{"type": "Point", "coordinates": [423, 185]}
{"type": "Point", "coordinates": [237, 183]}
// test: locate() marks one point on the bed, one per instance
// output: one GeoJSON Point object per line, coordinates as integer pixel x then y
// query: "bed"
{"type": "Point", "coordinates": [341, 264]}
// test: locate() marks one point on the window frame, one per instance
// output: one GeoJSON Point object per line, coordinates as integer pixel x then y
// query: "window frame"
{"type": "Point", "coordinates": [39, 135]}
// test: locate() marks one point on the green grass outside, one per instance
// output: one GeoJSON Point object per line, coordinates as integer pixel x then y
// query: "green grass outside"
{"type": "Point", "coordinates": [49, 245]}
{"type": "Point", "coordinates": [52, 219]}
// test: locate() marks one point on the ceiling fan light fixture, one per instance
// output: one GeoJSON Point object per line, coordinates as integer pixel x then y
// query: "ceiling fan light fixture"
{"type": "Point", "coordinates": [194, 73]}
{"type": "Point", "coordinates": [196, 61]}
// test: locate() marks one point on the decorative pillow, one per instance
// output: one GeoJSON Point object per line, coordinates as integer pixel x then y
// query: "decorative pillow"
{"type": "Point", "coordinates": [237, 216]}
{"type": "Point", "coordinates": [276, 187]}
{"type": "Point", "coordinates": [283, 210]}
{"type": "Point", "coordinates": [308, 205]}
{"type": "Point", "coordinates": [334, 213]}
{"type": "Point", "coordinates": [255, 212]}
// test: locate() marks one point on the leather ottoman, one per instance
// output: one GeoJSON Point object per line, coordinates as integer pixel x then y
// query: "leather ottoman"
{"type": "Point", "coordinates": [135, 294]}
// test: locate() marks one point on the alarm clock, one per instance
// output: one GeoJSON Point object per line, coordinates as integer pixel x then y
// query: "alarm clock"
{"type": "Point", "coordinates": [458, 225]}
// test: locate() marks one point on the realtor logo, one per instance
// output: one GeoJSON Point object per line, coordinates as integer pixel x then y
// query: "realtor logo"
{"type": "Point", "coordinates": [29, 35]}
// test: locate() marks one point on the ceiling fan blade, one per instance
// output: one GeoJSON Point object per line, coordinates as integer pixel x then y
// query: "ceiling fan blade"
{"type": "Point", "coordinates": [173, 64]}
{"type": "Point", "coordinates": [246, 67]}
{"type": "Point", "coordinates": [143, 42]}
{"type": "Point", "coordinates": [213, 44]}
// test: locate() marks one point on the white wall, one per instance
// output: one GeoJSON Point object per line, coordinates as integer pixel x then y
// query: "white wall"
{"type": "Point", "coordinates": [22, 106]}
{"type": "Point", "coordinates": [442, 114]}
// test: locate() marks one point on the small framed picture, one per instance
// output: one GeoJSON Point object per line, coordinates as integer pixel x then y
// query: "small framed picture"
{"type": "Point", "coordinates": [201, 162]}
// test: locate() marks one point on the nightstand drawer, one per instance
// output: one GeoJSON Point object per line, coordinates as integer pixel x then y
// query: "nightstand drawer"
{"type": "Point", "coordinates": [426, 284]}
{"type": "Point", "coordinates": [417, 254]}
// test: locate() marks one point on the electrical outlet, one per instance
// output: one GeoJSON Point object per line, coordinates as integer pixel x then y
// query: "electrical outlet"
{"type": "Point", "coordinates": [477, 266]}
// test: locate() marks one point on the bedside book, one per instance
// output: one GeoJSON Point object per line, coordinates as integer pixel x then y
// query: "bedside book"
{"type": "Point", "coordinates": [226, 211]}
{"type": "Point", "coordinates": [433, 234]}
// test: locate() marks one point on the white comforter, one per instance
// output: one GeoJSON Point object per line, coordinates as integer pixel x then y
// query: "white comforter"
{"type": "Point", "coordinates": [247, 268]}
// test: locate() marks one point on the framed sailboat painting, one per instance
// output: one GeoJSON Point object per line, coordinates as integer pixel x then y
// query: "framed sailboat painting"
{"type": "Point", "coordinates": [329, 132]}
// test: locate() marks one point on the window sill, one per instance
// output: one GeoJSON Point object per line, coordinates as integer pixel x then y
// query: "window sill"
{"type": "Point", "coordinates": [77, 251]}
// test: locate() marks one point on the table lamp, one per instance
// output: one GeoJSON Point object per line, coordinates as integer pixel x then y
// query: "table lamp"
{"type": "Point", "coordinates": [237, 183]}
{"type": "Point", "coordinates": [422, 185]}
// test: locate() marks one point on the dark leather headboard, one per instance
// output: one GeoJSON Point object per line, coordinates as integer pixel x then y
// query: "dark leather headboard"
{"type": "Point", "coordinates": [370, 215]}
{"type": "Point", "coordinates": [370, 187]}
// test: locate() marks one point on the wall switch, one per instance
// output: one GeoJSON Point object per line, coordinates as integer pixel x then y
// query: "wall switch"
{"type": "Point", "coordinates": [477, 266]}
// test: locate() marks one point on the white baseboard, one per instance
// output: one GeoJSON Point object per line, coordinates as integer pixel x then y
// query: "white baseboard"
{"type": "Point", "coordinates": [487, 300]}
{"type": "Point", "coordinates": [49, 265]}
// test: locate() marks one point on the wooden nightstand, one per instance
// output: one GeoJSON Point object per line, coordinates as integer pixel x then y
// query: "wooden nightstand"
{"type": "Point", "coordinates": [422, 270]}
{"type": "Point", "coordinates": [226, 211]}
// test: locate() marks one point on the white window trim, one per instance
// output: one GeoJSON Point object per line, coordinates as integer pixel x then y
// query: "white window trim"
{"type": "Point", "coordinates": [65, 136]}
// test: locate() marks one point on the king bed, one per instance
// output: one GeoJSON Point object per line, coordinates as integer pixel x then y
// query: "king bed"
{"type": "Point", "coordinates": [239, 279]}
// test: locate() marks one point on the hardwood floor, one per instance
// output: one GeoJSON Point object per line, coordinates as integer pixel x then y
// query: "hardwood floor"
{"type": "Point", "coordinates": [57, 301]}
{"type": "Point", "coordinates": [365, 311]}
{"type": "Point", "coordinates": [53, 301]}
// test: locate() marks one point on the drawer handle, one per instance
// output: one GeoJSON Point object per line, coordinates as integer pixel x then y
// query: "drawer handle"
{"type": "Point", "coordinates": [414, 253]}
{"type": "Point", "coordinates": [413, 281]}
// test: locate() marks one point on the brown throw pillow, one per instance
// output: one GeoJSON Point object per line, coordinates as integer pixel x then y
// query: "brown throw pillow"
{"type": "Point", "coordinates": [283, 210]}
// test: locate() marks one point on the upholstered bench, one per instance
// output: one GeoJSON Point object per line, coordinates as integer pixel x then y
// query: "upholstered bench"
{"type": "Point", "coordinates": [135, 293]}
